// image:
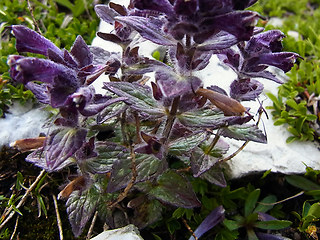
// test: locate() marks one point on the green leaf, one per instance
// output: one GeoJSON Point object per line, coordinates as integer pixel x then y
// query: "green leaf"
{"type": "Point", "coordinates": [80, 207]}
{"type": "Point", "coordinates": [184, 145]}
{"type": "Point", "coordinates": [273, 224]}
{"type": "Point", "coordinates": [231, 224]}
{"type": "Point", "coordinates": [245, 133]}
{"type": "Point", "coordinates": [147, 167]}
{"type": "Point", "coordinates": [314, 210]}
{"type": "Point", "coordinates": [263, 205]}
{"type": "Point", "coordinates": [108, 153]}
{"type": "Point", "coordinates": [206, 119]}
{"type": "Point", "coordinates": [251, 202]}
{"type": "Point", "coordinates": [174, 189]}
{"type": "Point", "coordinates": [139, 98]}
{"type": "Point", "coordinates": [302, 182]}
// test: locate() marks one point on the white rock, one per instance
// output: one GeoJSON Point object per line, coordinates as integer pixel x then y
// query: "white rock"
{"type": "Point", "coordinates": [129, 232]}
{"type": "Point", "coordinates": [22, 121]}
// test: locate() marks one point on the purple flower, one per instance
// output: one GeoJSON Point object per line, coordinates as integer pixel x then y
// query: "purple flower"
{"type": "Point", "coordinates": [62, 79]}
{"type": "Point", "coordinates": [204, 21]}
{"type": "Point", "coordinates": [253, 58]}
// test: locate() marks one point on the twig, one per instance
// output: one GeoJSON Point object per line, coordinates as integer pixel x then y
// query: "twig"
{"type": "Point", "coordinates": [244, 144]}
{"type": "Point", "coordinates": [33, 18]}
{"type": "Point", "coordinates": [15, 228]}
{"type": "Point", "coordinates": [92, 225]}
{"type": "Point", "coordinates": [189, 228]}
{"type": "Point", "coordinates": [9, 212]}
{"type": "Point", "coordinates": [235, 153]}
{"type": "Point", "coordinates": [125, 192]}
{"type": "Point", "coordinates": [283, 200]}
{"type": "Point", "coordinates": [58, 216]}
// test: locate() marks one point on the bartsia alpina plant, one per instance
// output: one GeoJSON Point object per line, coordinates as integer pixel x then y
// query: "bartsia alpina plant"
{"type": "Point", "coordinates": [140, 143]}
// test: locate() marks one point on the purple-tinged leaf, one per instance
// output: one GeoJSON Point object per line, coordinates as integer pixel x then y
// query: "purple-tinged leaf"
{"type": "Point", "coordinates": [149, 28]}
{"type": "Point", "coordinates": [267, 236]}
{"type": "Point", "coordinates": [215, 176]}
{"type": "Point", "coordinates": [28, 40]}
{"type": "Point", "coordinates": [209, 119]}
{"type": "Point", "coordinates": [111, 111]}
{"type": "Point", "coordinates": [80, 207]}
{"type": "Point", "coordinates": [61, 145]}
{"type": "Point", "coordinates": [216, 42]}
{"type": "Point", "coordinates": [172, 85]}
{"type": "Point", "coordinates": [147, 167]}
{"type": "Point", "coordinates": [37, 157]}
{"type": "Point", "coordinates": [106, 13]}
{"type": "Point", "coordinates": [245, 89]}
{"type": "Point", "coordinates": [138, 97]}
{"type": "Point", "coordinates": [81, 52]}
{"type": "Point", "coordinates": [214, 218]}
{"type": "Point", "coordinates": [202, 160]}
{"type": "Point", "coordinates": [244, 132]}
{"type": "Point", "coordinates": [185, 145]}
{"type": "Point", "coordinates": [108, 153]}
{"type": "Point", "coordinates": [144, 65]}
{"type": "Point", "coordinates": [176, 190]}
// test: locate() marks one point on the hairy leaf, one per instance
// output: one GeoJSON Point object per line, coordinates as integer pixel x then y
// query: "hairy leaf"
{"type": "Point", "coordinates": [209, 119]}
{"type": "Point", "coordinates": [147, 167]}
{"type": "Point", "coordinates": [245, 133]}
{"type": "Point", "coordinates": [139, 98]}
{"type": "Point", "coordinates": [185, 145]}
{"type": "Point", "coordinates": [80, 207]}
{"type": "Point", "coordinates": [202, 160]}
{"type": "Point", "coordinates": [174, 189]}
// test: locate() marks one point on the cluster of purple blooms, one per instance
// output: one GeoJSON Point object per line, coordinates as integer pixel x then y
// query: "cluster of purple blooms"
{"type": "Point", "coordinates": [191, 32]}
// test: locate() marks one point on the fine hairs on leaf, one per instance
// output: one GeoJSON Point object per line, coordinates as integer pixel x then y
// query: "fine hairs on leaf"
{"type": "Point", "coordinates": [138, 147]}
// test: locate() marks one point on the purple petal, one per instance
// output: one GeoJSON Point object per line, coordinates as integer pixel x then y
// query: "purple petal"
{"type": "Point", "coordinates": [214, 218]}
{"type": "Point", "coordinates": [266, 236]}
{"type": "Point", "coordinates": [265, 217]}
{"type": "Point", "coordinates": [283, 60]}
{"type": "Point", "coordinates": [265, 42]}
{"type": "Point", "coordinates": [81, 52]}
{"type": "Point", "coordinates": [40, 91]}
{"type": "Point", "coordinates": [28, 40]}
{"type": "Point", "coordinates": [240, 24]}
{"type": "Point", "coordinates": [245, 89]}
{"type": "Point", "coordinates": [28, 69]}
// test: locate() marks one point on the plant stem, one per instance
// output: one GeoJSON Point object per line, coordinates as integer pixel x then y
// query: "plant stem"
{"type": "Point", "coordinates": [213, 143]}
{"type": "Point", "coordinates": [92, 225]}
{"type": "Point", "coordinates": [58, 216]}
{"type": "Point", "coordinates": [170, 120]}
